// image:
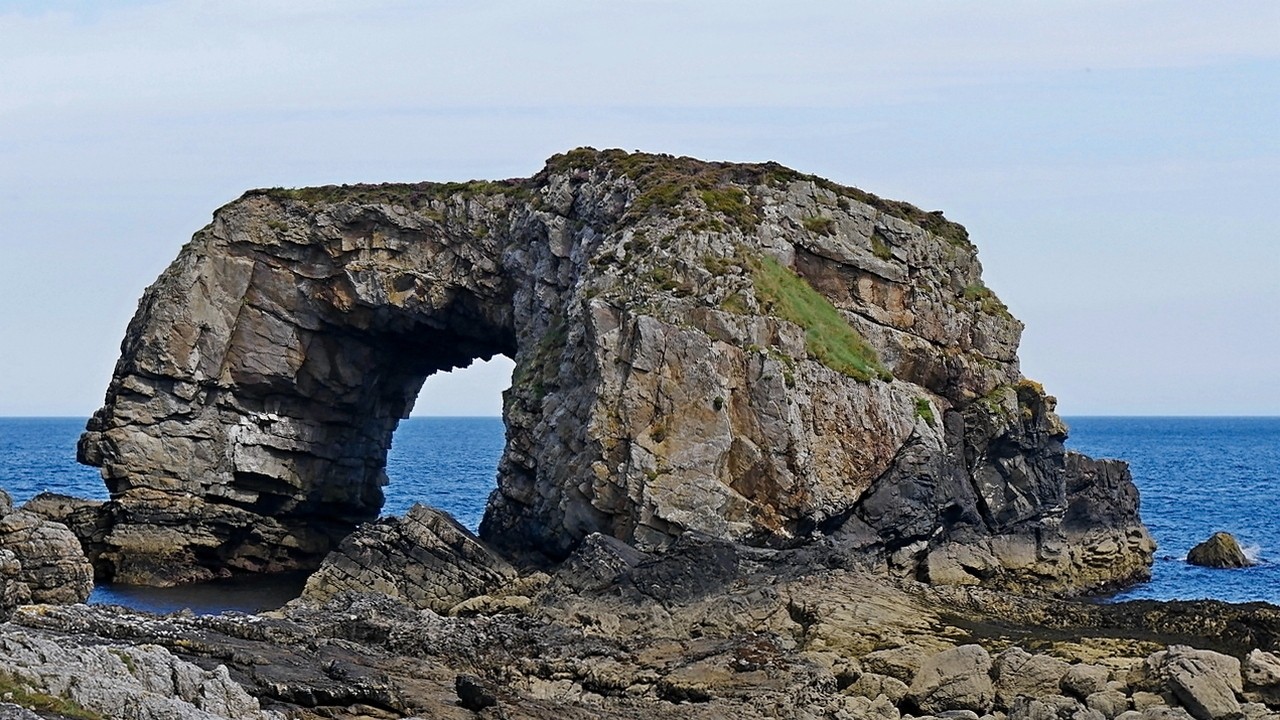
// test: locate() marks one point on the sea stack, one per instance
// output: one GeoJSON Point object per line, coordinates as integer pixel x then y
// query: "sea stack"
{"type": "Point", "coordinates": [740, 351]}
{"type": "Point", "coordinates": [1220, 551]}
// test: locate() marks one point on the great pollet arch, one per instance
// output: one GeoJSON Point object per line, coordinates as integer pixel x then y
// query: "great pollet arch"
{"type": "Point", "coordinates": [248, 420]}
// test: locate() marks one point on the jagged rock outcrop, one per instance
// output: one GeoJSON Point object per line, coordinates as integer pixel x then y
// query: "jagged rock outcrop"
{"type": "Point", "coordinates": [737, 350]}
{"type": "Point", "coordinates": [425, 559]}
{"type": "Point", "coordinates": [41, 561]}
{"type": "Point", "coordinates": [1221, 550]}
{"type": "Point", "coordinates": [85, 518]}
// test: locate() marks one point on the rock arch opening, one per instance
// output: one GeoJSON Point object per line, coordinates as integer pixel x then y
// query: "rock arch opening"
{"type": "Point", "coordinates": [446, 453]}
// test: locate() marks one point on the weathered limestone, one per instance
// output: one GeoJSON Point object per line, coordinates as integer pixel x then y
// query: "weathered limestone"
{"type": "Point", "coordinates": [40, 560]}
{"type": "Point", "coordinates": [958, 679]}
{"type": "Point", "coordinates": [1083, 680]}
{"type": "Point", "coordinates": [1018, 672]}
{"type": "Point", "coordinates": [1221, 550]}
{"type": "Point", "coordinates": [672, 374]}
{"type": "Point", "coordinates": [124, 681]}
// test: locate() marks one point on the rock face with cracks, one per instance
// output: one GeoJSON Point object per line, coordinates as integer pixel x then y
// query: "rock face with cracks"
{"type": "Point", "coordinates": [742, 351]}
{"type": "Point", "coordinates": [40, 560]}
{"type": "Point", "coordinates": [425, 559]}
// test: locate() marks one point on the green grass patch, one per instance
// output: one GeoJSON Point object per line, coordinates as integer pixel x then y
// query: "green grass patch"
{"type": "Point", "coordinates": [735, 304]}
{"type": "Point", "coordinates": [987, 300]}
{"type": "Point", "coordinates": [17, 693]}
{"type": "Point", "coordinates": [880, 248]}
{"type": "Point", "coordinates": [660, 195]}
{"type": "Point", "coordinates": [828, 337]}
{"type": "Point", "coordinates": [820, 226]}
{"type": "Point", "coordinates": [924, 411]}
{"type": "Point", "coordinates": [733, 204]}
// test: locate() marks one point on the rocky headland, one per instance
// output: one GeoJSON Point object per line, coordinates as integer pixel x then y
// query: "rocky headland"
{"type": "Point", "coordinates": [769, 454]}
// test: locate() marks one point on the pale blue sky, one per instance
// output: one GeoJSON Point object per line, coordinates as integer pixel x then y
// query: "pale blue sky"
{"type": "Point", "coordinates": [1116, 162]}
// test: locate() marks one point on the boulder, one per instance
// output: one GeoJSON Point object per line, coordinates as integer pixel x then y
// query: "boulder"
{"type": "Point", "coordinates": [1261, 669]}
{"type": "Point", "coordinates": [1221, 550]}
{"type": "Point", "coordinates": [1048, 707]}
{"type": "Point", "coordinates": [872, 685]}
{"type": "Point", "coordinates": [1205, 692]}
{"type": "Point", "coordinates": [1017, 672]}
{"type": "Point", "coordinates": [1083, 680]}
{"type": "Point", "coordinates": [88, 519]}
{"type": "Point", "coordinates": [597, 563]}
{"type": "Point", "coordinates": [902, 662]}
{"type": "Point", "coordinates": [426, 559]}
{"type": "Point", "coordinates": [1142, 700]}
{"type": "Point", "coordinates": [1153, 674]}
{"type": "Point", "coordinates": [1108, 702]}
{"type": "Point", "coordinates": [52, 564]}
{"type": "Point", "coordinates": [473, 693]}
{"type": "Point", "coordinates": [956, 679]}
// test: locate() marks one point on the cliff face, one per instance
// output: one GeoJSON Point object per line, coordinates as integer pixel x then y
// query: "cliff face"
{"type": "Point", "coordinates": [739, 350]}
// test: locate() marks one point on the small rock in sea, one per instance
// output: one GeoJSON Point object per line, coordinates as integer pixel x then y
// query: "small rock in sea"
{"type": "Point", "coordinates": [1219, 551]}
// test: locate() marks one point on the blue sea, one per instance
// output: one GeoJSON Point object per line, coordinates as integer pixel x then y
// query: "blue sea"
{"type": "Point", "coordinates": [1197, 476]}
{"type": "Point", "coordinates": [449, 463]}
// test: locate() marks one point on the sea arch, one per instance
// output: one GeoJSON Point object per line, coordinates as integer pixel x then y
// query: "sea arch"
{"type": "Point", "coordinates": [262, 378]}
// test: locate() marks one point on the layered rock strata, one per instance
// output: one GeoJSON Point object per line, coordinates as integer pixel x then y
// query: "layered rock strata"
{"type": "Point", "coordinates": [738, 350]}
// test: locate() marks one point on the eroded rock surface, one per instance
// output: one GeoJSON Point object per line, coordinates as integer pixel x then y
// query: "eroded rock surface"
{"type": "Point", "coordinates": [426, 559]}
{"type": "Point", "coordinates": [742, 351]}
{"type": "Point", "coordinates": [40, 560]}
{"type": "Point", "coordinates": [775, 636]}
{"type": "Point", "coordinates": [130, 682]}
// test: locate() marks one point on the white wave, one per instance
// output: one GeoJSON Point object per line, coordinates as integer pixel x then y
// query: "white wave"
{"type": "Point", "coordinates": [1253, 553]}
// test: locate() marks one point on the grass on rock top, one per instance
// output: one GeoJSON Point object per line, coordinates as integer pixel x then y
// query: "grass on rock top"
{"type": "Point", "coordinates": [665, 180]}
{"type": "Point", "coordinates": [828, 337]}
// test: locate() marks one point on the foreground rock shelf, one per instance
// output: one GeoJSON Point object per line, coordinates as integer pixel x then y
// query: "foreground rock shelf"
{"type": "Point", "coordinates": [705, 629]}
